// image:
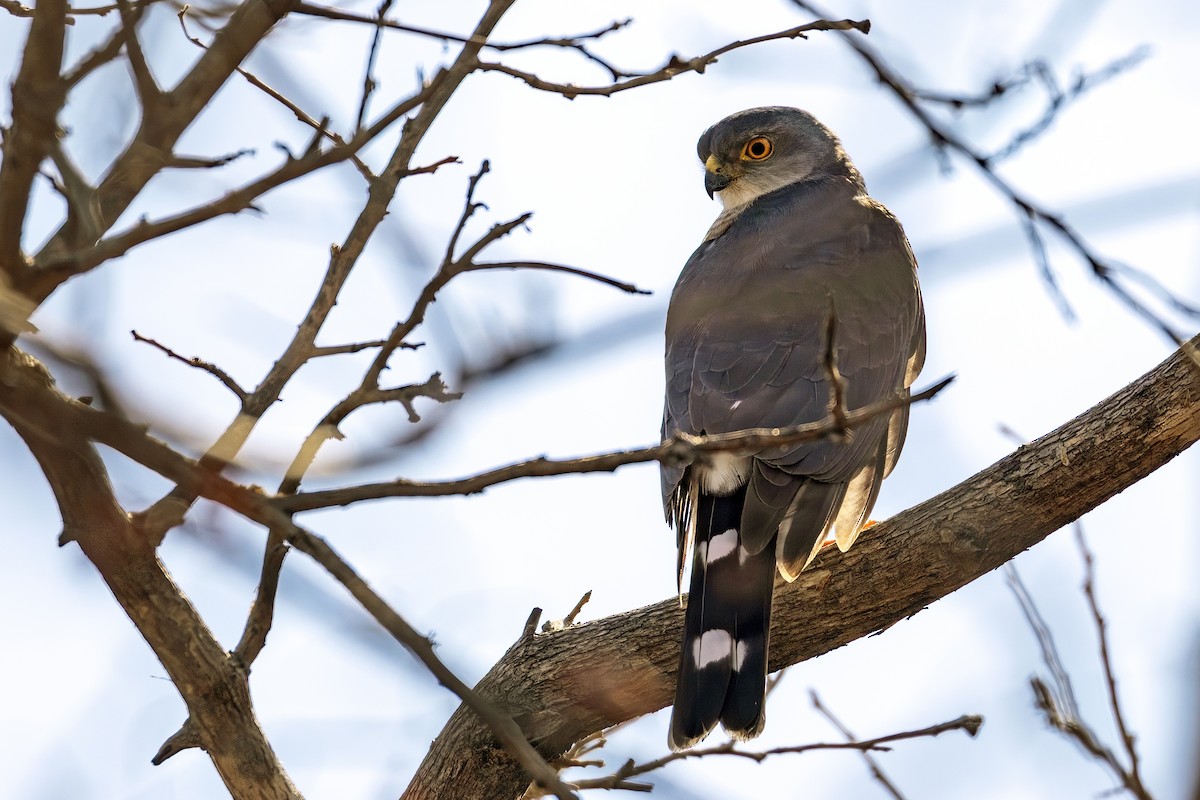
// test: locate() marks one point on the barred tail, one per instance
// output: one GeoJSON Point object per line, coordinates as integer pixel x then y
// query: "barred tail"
{"type": "Point", "coordinates": [723, 663]}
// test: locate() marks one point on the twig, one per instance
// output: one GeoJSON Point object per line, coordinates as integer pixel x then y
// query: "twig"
{"type": "Point", "coordinates": [205, 366]}
{"type": "Point", "coordinates": [37, 95]}
{"type": "Point", "coordinates": [369, 83]}
{"type": "Point", "coordinates": [365, 395]}
{"type": "Point", "coordinates": [620, 779]}
{"type": "Point", "coordinates": [200, 162]}
{"type": "Point", "coordinates": [628, 288]}
{"type": "Point", "coordinates": [575, 42]}
{"type": "Point", "coordinates": [680, 449]}
{"type": "Point", "coordinates": [355, 347]}
{"type": "Point", "coordinates": [675, 65]}
{"type": "Point", "coordinates": [876, 770]}
{"type": "Point", "coordinates": [569, 619]}
{"type": "Point", "coordinates": [148, 92]}
{"type": "Point", "coordinates": [1030, 223]}
{"type": "Point", "coordinates": [502, 725]}
{"type": "Point", "coordinates": [18, 10]}
{"type": "Point", "coordinates": [1063, 692]}
{"type": "Point", "coordinates": [944, 138]}
{"type": "Point", "coordinates": [128, 174]}
{"type": "Point", "coordinates": [1059, 99]}
{"type": "Point", "coordinates": [287, 103]}
{"type": "Point", "coordinates": [1058, 704]}
{"type": "Point", "coordinates": [1131, 776]}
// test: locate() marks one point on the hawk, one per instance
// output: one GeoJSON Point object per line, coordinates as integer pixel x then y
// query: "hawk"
{"type": "Point", "coordinates": [798, 240]}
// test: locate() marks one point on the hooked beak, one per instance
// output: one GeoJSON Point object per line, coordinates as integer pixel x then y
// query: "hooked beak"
{"type": "Point", "coordinates": [714, 179]}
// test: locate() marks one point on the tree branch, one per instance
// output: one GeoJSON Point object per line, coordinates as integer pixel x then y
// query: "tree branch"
{"type": "Point", "coordinates": [563, 686]}
{"type": "Point", "coordinates": [681, 449]}
{"type": "Point", "coordinates": [37, 95]}
{"type": "Point", "coordinates": [676, 65]}
{"type": "Point", "coordinates": [151, 147]}
{"type": "Point", "coordinates": [1105, 270]}
{"type": "Point", "coordinates": [41, 414]}
{"type": "Point", "coordinates": [213, 685]}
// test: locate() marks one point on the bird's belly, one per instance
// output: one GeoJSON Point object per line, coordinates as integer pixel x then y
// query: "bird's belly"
{"type": "Point", "coordinates": [724, 473]}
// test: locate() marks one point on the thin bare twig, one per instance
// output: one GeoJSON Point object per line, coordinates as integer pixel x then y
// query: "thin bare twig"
{"type": "Point", "coordinates": [628, 288]}
{"type": "Point", "coordinates": [369, 82]}
{"type": "Point", "coordinates": [943, 138]}
{"type": "Point", "coordinates": [1063, 693]}
{"type": "Point", "coordinates": [300, 114]}
{"type": "Point", "coordinates": [876, 770]}
{"type": "Point", "coordinates": [205, 366]}
{"type": "Point", "coordinates": [327, 428]}
{"type": "Point", "coordinates": [17, 9]}
{"type": "Point", "coordinates": [203, 162]}
{"type": "Point", "coordinates": [681, 449]}
{"type": "Point", "coordinates": [148, 92]}
{"type": "Point", "coordinates": [620, 779]}
{"type": "Point", "coordinates": [1131, 776]}
{"type": "Point", "coordinates": [576, 42]}
{"type": "Point", "coordinates": [1058, 702]}
{"type": "Point", "coordinates": [675, 65]}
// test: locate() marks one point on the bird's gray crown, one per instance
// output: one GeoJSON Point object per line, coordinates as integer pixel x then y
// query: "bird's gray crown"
{"type": "Point", "coordinates": [760, 150]}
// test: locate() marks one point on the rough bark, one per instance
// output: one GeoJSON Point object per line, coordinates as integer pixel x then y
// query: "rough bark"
{"type": "Point", "coordinates": [561, 686]}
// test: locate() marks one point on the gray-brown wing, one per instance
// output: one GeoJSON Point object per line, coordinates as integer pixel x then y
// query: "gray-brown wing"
{"type": "Point", "coordinates": [751, 353]}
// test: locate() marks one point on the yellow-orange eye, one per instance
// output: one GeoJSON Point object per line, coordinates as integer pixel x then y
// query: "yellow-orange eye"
{"type": "Point", "coordinates": [757, 149]}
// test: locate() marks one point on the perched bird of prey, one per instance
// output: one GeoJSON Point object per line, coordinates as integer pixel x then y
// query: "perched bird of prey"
{"type": "Point", "coordinates": [799, 242]}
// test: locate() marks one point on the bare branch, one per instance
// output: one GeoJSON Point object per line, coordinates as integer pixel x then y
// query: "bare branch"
{"type": "Point", "coordinates": [628, 288]}
{"type": "Point", "coordinates": [1058, 703]}
{"type": "Point", "coordinates": [37, 95]}
{"type": "Point", "coordinates": [301, 114]}
{"type": "Point", "coordinates": [576, 42]}
{"type": "Point", "coordinates": [205, 366]}
{"type": "Point", "coordinates": [70, 264]}
{"type": "Point", "coordinates": [358, 347]}
{"type": "Point", "coordinates": [1104, 270]}
{"type": "Point", "coordinates": [200, 162]}
{"type": "Point", "coordinates": [682, 449]}
{"type": "Point", "coordinates": [18, 10]}
{"type": "Point", "coordinates": [150, 148]}
{"type": "Point", "coordinates": [1132, 776]}
{"type": "Point", "coordinates": [876, 771]}
{"type": "Point", "coordinates": [676, 65]}
{"type": "Point", "coordinates": [213, 687]}
{"type": "Point", "coordinates": [569, 619]}
{"type": "Point", "coordinates": [1059, 98]}
{"type": "Point", "coordinates": [369, 83]}
{"type": "Point", "coordinates": [620, 778]}
{"type": "Point", "coordinates": [1063, 694]}
{"type": "Point", "coordinates": [149, 94]}
{"type": "Point", "coordinates": [364, 395]}
{"type": "Point", "coordinates": [30, 402]}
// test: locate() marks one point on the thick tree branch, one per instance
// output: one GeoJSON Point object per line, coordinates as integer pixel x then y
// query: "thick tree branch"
{"type": "Point", "coordinates": [563, 686]}
{"type": "Point", "coordinates": [37, 95]}
{"type": "Point", "coordinates": [44, 416]}
{"type": "Point", "coordinates": [213, 685]}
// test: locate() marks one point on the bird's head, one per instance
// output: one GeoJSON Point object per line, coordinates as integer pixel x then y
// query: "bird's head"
{"type": "Point", "coordinates": [759, 150]}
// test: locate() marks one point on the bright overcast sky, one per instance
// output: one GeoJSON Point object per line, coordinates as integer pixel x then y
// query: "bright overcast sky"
{"type": "Point", "coordinates": [616, 188]}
